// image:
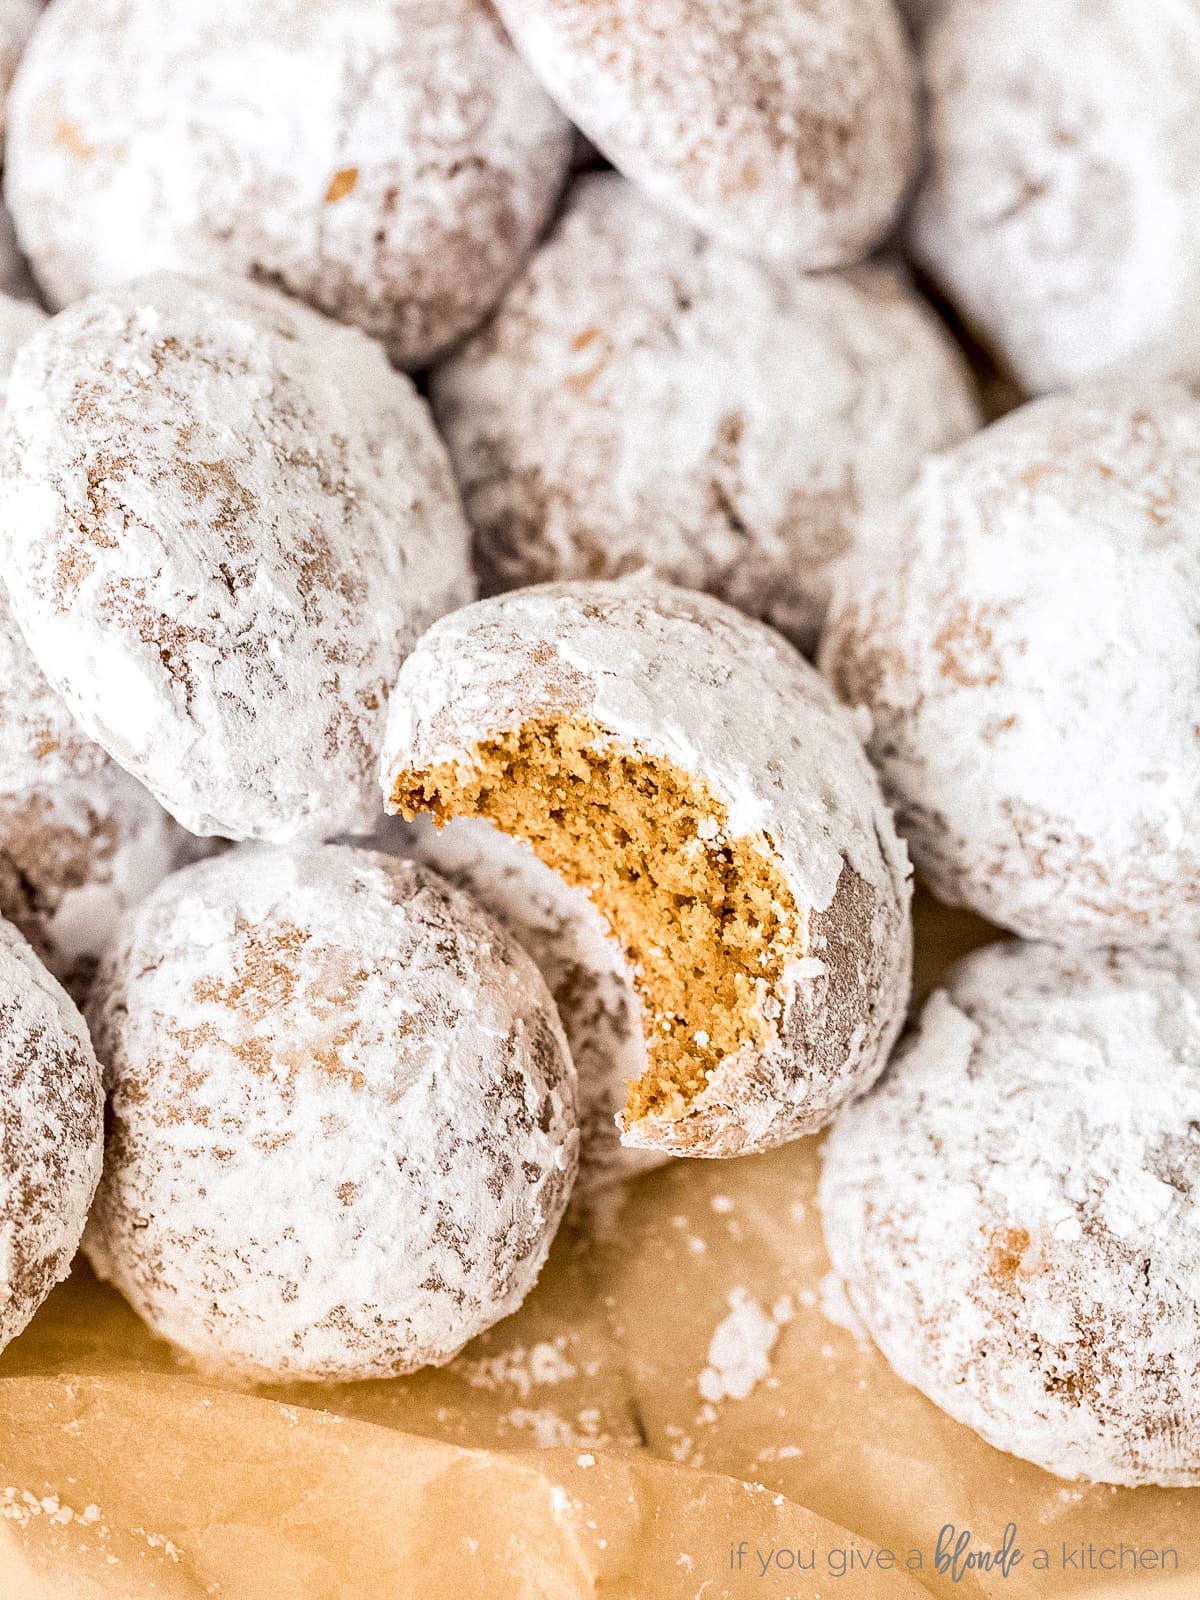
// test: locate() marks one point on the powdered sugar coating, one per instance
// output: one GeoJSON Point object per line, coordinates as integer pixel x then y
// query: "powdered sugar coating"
{"type": "Point", "coordinates": [18, 18]}
{"type": "Point", "coordinates": [19, 321]}
{"type": "Point", "coordinates": [1061, 201]}
{"type": "Point", "coordinates": [1015, 1212]}
{"type": "Point", "coordinates": [786, 128]}
{"type": "Point", "coordinates": [80, 840]}
{"type": "Point", "coordinates": [392, 163]}
{"type": "Point", "coordinates": [1029, 650]}
{"type": "Point", "coordinates": [51, 1132]}
{"type": "Point", "coordinates": [643, 397]}
{"type": "Point", "coordinates": [684, 678]}
{"type": "Point", "coordinates": [584, 969]}
{"type": "Point", "coordinates": [226, 521]}
{"type": "Point", "coordinates": [342, 1121]}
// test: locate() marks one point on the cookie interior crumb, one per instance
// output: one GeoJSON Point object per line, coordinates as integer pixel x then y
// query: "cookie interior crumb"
{"type": "Point", "coordinates": [707, 922]}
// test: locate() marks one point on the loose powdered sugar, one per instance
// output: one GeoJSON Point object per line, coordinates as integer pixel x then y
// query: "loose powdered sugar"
{"type": "Point", "coordinates": [225, 522]}
{"type": "Point", "coordinates": [643, 397]}
{"type": "Point", "coordinates": [739, 1353]}
{"type": "Point", "coordinates": [343, 1123]}
{"type": "Point", "coordinates": [1015, 1212]}
{"type": "Point", "coordinates": [392, 164]}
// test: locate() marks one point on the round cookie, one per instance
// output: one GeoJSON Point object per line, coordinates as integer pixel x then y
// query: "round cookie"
{"type": "Point", "coordinates": [226, 520]}
{"type": "Point", "coordinates": [584, 968]}
{"type": "Point", "coordinates": [342, 1123]}
{"type": "Point", "coordinates": [51, 1132]}
{"type": "Point", "coordinates": [643, 397]}
{"type": "Point", "coordinates": [80, 840]}
{"type": "Point", "coordinates": [691, 771]}
{"type": "Point", "coordinates": [785, 128]}
{"type": "Point", "coordinates": [1028, 647]}
{"type": "Point", "coordinates": [1014, 1210]}
{"type": "Point", "coordinates": [1060, 204]}
{"type": "Point", "coordinates": [392, 164]}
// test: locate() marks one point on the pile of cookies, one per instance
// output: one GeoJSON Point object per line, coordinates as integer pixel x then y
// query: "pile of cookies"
{"type": "Point", "coordinates": [404, 919]}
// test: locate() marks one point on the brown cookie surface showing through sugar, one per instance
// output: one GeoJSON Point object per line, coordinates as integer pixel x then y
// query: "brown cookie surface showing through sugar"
{"type": "Point", "coordinates": [51, 1132]}
{"type": "Point", "coordinates": [786, 128]}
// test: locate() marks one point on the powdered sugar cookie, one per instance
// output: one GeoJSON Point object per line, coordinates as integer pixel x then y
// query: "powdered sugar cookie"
{"type": "Point", "coordinates": [584, 968]}
{"type": "Point", "coordinates": [1060, 206]}
{"type": "Point", "coordinates": [1029, 649]}
{"type": "Point", "coordinates": [80, 840]}
{"type": "Point", "coordinates": [343, 1029]}
{"type": "Point", "coordinates": [645, 398]}
{"type": "Point", "coordinates": [226, 521]}
{"type": "Point", "coordinates": [390, 164]}
{"type": "Point", "coordinates": [1015, 1214]}
{"type": "Point", "coordinates": [50, 1133]}
{"type": "Point", "coordinates": [689, 770]}
{"type": "Point", "coordinates": [19, 321]}
{"type": "Point", "coordinates": [786, 128]}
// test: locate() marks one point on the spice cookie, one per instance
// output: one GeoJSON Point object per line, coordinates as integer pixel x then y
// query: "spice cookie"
{"type": "Point", "coordinates": [1060, 204]}
{"type": "Point", "coordinates": [1015, 1214]}
{"type": "Point", "coordinates": [226, 519]}
{"type": "Point", "coordinates": [785, 128]}
{"type": "Point", "coordinates": [392, 164]}
{"type": "Point", "coordinates": [51, 1132]}
{"type": "Point", "coordinates": [689, 770]}
{"type": "Point", "coordinates": [342, 1123]}
{"type": "Point", "coordinates": [1028, 646]}
{"type": "Point", "coordinates": [643, 397]}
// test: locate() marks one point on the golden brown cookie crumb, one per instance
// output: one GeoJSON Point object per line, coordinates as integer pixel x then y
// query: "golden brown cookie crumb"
{"type": "Point", "coordinates": [708, 927]}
